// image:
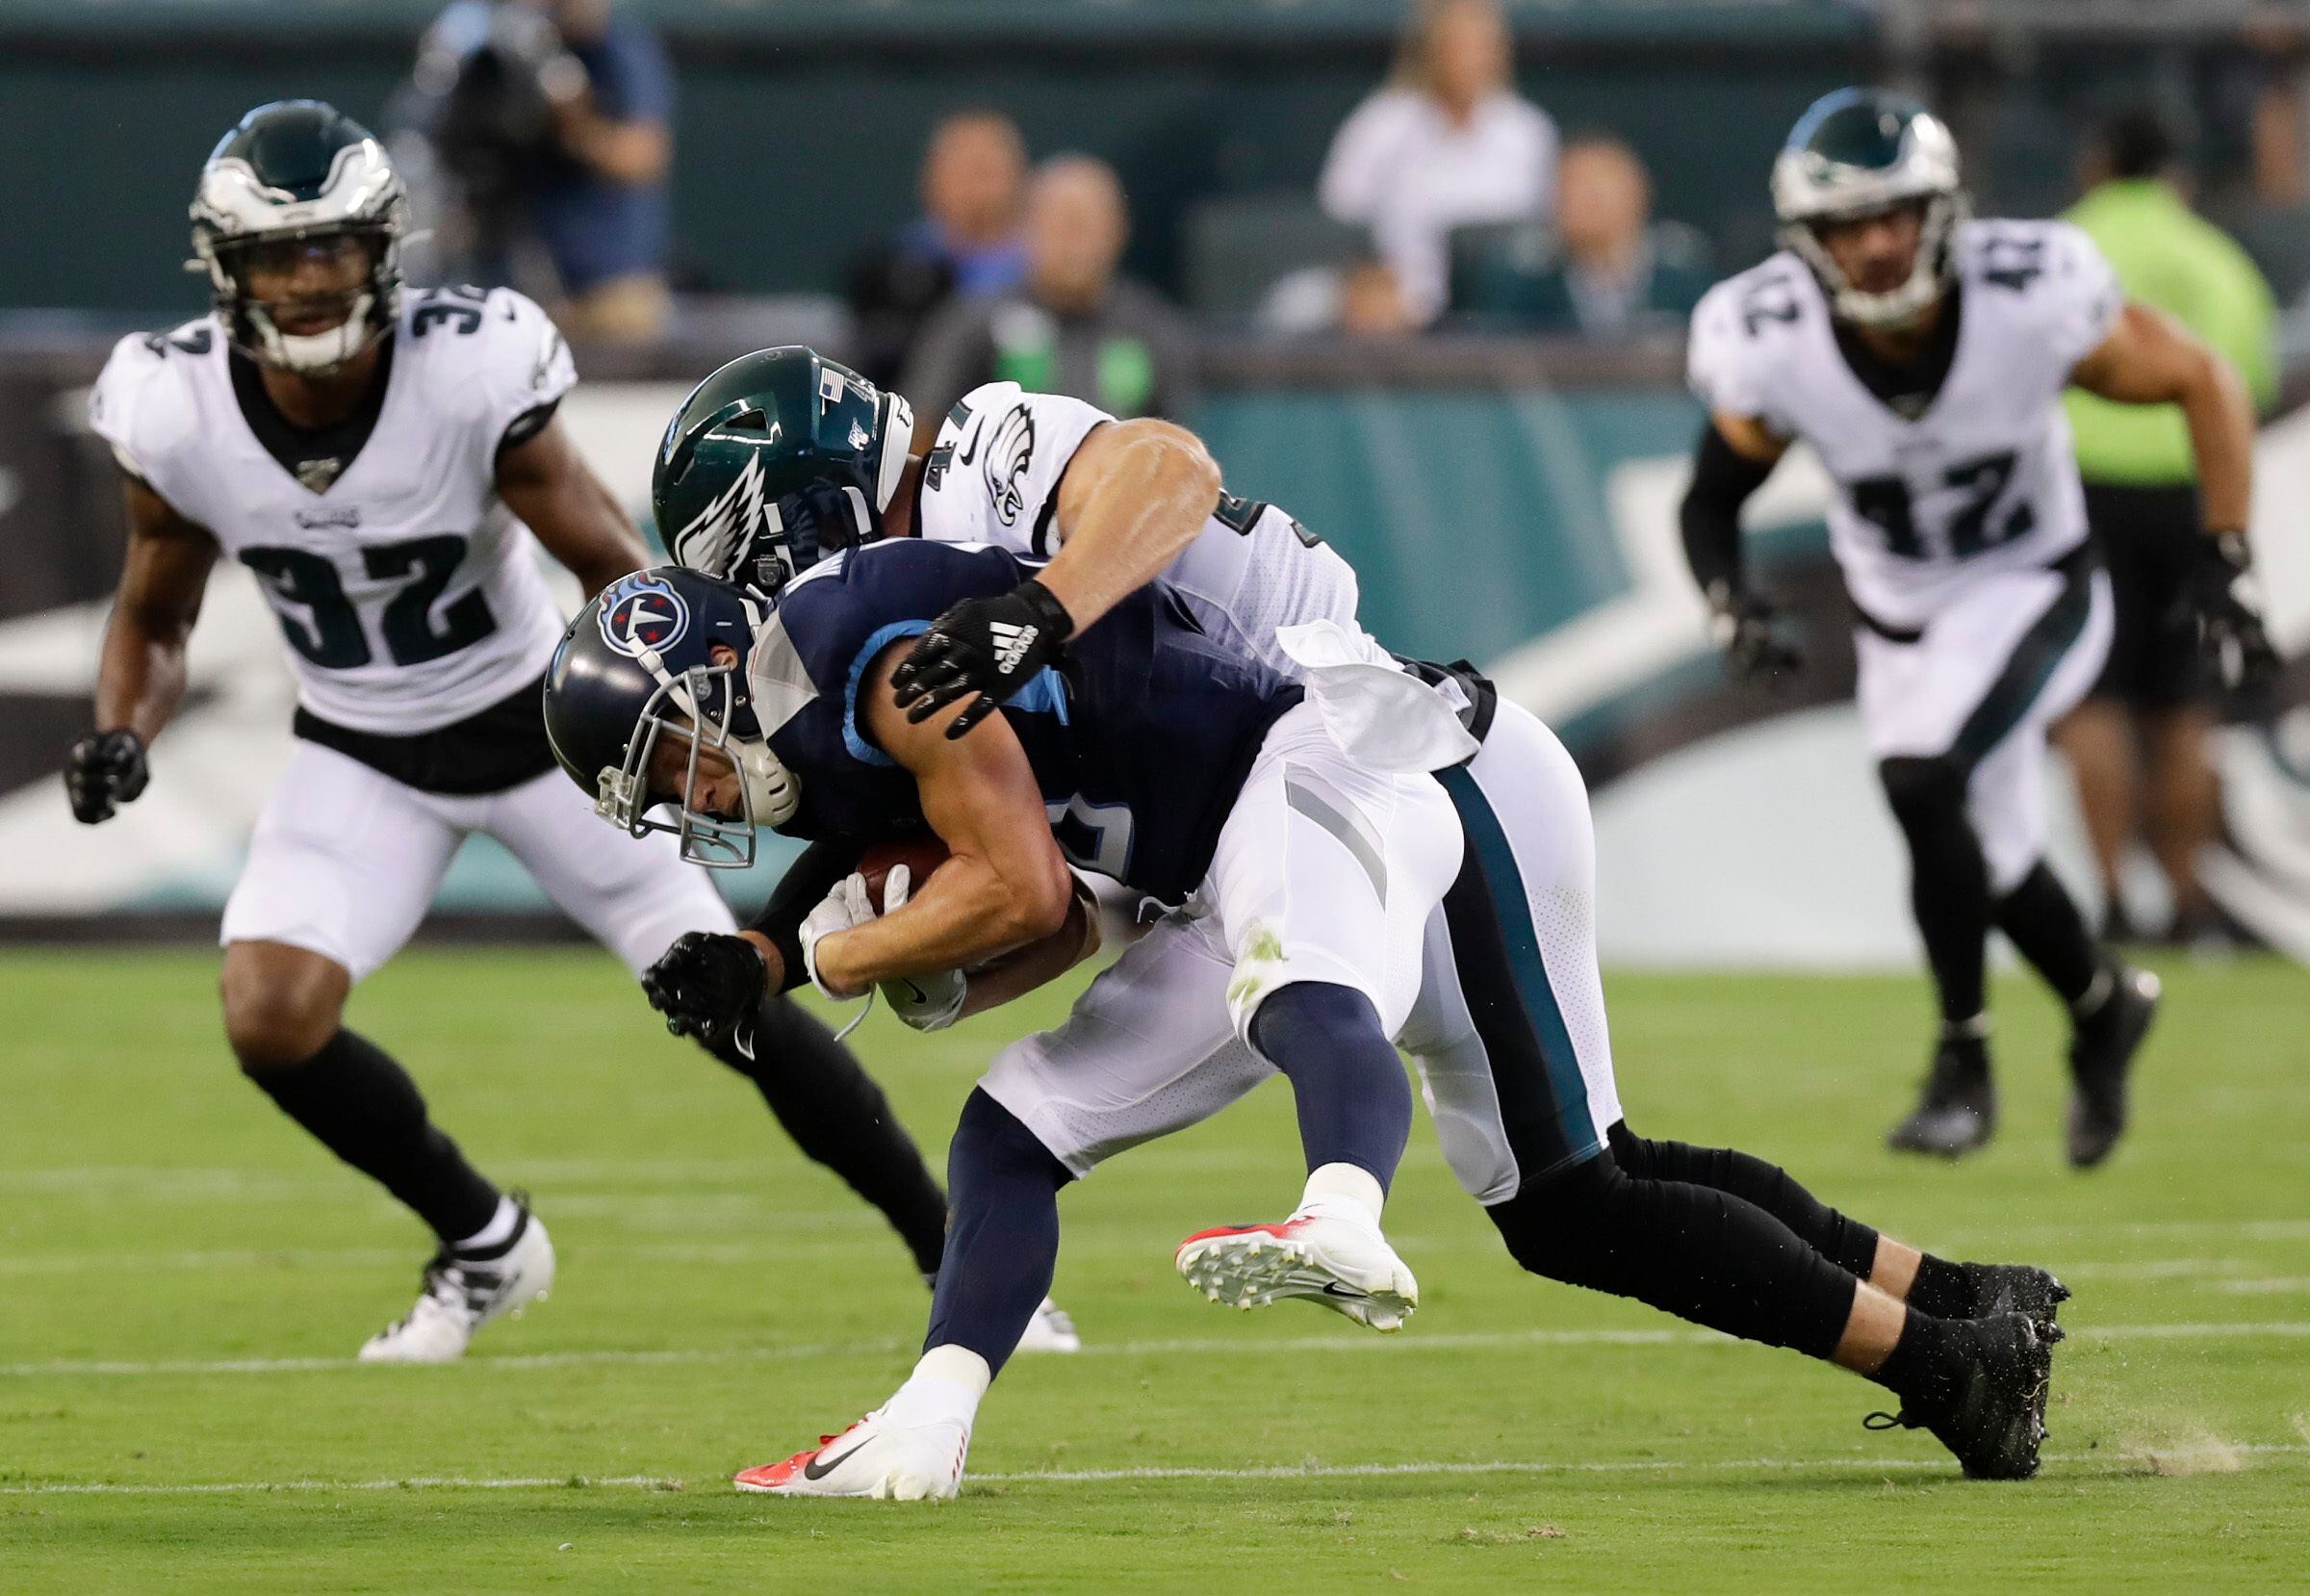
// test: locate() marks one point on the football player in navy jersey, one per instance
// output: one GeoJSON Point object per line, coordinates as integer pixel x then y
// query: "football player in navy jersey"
{"type": "Point", "coordinates": [675, 689]}
{"type": "Point", "coordinates": [381, 458]}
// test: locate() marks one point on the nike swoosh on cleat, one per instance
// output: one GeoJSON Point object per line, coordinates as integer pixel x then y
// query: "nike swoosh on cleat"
{"type": "Point", "coordinates": [818, 1468]}
{"type": "Point", "coordinates": [1333, 1288]}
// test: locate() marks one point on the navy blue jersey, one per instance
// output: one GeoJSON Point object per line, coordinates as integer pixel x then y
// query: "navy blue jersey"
{"type": "Point", "coordinates": [1139, 739]}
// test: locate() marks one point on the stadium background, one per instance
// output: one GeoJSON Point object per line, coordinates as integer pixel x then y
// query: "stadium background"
{"type": "Point", "coordinates": [1510, 498]}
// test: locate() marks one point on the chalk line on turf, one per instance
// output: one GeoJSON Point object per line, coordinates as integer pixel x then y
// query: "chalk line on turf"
{"type": "Point", "coordinates": [1201, 1346]}
{"type": "Point", "coordinates": [2113, 1462]}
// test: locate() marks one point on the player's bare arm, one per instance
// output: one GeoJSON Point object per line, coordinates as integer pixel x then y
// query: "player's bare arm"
{"type": "Point", "coordinates": [545, 482]}
{"type": "Point", "coordinates": [1004, 885]}
{"type": "Point", "coordinates": [141, 673]}
{"type": "Point", "coordinates": [1736, 455]}
{"type": "Point", "coordinates": [2149, 358]}
{"type": "Point", "coordinates": [1133, 496]}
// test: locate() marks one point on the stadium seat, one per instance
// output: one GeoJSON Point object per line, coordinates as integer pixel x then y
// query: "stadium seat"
{"type": "Point", "coordinates": [1241, 246]}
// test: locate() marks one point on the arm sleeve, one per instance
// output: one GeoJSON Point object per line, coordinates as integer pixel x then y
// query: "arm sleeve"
{"type": "Point", "coordinates": [528, 367]}
{"type": "Point", "coordinates": [2083, 296]}
{"type": "Point", "coordinates": [1356, 164]}
{"type": "Point", "coordinates": [801, 889]}
{"type": "Point", "coordinates": [1722, 480]}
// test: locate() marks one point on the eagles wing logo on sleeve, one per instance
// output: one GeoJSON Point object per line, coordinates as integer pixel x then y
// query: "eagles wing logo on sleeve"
{"type": "Point", "coordinates": [718, 538]}
{"type": "Point", "coordinates": [1008, 455]}
{"type": "Point", "coordinates": [641, 613]}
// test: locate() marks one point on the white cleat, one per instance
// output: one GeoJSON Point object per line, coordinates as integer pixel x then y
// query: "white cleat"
{"type": "Point", "coordinates": [1050, 1330]}
{"type": "Point", "coordinates": [872, 1458]}
{"type": "Point", "coordinates": [1345, 1264]}
{"type": "Point", "coordinates": [462, 1293]}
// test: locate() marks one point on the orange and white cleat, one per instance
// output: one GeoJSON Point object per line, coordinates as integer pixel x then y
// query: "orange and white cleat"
{"type": "Point", "coordinates": [871, 1459]}
{"type": "Point", "coordinates": [1343, 1263]}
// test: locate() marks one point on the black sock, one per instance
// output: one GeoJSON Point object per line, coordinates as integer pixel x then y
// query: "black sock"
{"type": "Point", "coordinates": [1949, 881]}
{"type": "Point", "coordinates": [1703, 1256]}
{"type": "Point", "coordinates": [839, 1117]}
{"type": "Point", "coordinates": [1354, 1101]}
{"type": "Point", "coordinates": [1005, 1240]}
{"type": "Point", "coordinates": [1839, 1238]}
{"type": "Point", "coordinates": [1943, 1289]}
{"type": "Point", "coordinates": [1923, 1364]}
{"type": "Point", "coordinates": [2042, 922]}
{"type": "Point", "coordinates": [363, 1107]}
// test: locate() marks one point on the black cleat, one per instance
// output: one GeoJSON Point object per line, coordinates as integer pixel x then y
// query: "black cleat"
{"type": "Point", "coordinates": [2101, 1056]}
{"type": "Point", "coordinates": [1958, 1111]}
{"type": "Point", "coordinates": [1992, 1415]}
{"type": "Point", "coordinates": [2016, 1288]}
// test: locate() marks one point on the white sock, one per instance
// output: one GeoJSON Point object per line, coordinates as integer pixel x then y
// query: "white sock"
{"type": "Point", "coordinates": [945, 1387]}
{"type": "Point", "coordinates": [1345, 1191]}
{"type": "Point", "coordinates": [495, 1233]}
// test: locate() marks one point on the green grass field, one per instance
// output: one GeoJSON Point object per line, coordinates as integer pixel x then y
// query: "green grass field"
{"type": "Point", "coordinates": [183, 1278]}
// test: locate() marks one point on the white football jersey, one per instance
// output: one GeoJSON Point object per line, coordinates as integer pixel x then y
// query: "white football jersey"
{"type": "Point", "coordinates": [1984, 479]}
{"type": "Point", "coordinates": [409, 595]}
{"type": "Point", "coordinates": [993, 478]}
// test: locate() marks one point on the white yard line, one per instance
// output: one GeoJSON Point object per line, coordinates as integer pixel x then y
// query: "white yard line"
{"type": "Point", "coordinates": [2112, 1462]}
{"type": "Point", "coordinates": [1200, 1346]}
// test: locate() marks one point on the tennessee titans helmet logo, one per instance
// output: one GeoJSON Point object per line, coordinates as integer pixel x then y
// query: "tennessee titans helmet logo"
{"type": "Point", "coordinates": [643, 613]}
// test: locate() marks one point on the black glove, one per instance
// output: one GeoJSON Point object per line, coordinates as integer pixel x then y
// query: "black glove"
{"type": "Point", "coordinates": [708, 986]}
{"type": "Point", "coordinates": [990, 647]}
{"type": "Point", "coordinates": [2225, 606]}
{"type": "Point", "coordinates": [1743, 628]}
{"type": "Point", "coordinates": [105, 769]}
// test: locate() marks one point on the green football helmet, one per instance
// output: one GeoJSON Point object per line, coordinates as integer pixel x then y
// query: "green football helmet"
{"type": "Point", "coordinates": [291, 173]}
{"type": "Point", "coordinates": [1858, 152]}
{"type": "Point", "coordinates": [778, 458]}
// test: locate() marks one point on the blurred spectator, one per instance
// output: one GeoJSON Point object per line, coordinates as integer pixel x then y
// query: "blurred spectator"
{"type": "Point", "coordinates": [966, 240]}
{"type": "Point", "coordinates": [1607, 271]}
{"type": "Point", "coordinates": [551, 123]}
{"type": "Point", "coordinates": [1371, 303]}
{"type": "Point", "coordinates": [2145, 724]}
{"type": "Point", "coordinates": [1445, 142]}
{"type": "Point", "coordinates": [1073, 327]}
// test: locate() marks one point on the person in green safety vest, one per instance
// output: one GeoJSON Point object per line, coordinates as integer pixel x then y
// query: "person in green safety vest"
{"type": "Point", "coordinates": [2138, 744]}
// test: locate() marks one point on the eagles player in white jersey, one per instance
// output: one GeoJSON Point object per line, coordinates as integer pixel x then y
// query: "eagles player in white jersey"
{"type": "Point", "coordinates": [1922, 355]}
{"type": "Point", "coordinates": [380, 458]}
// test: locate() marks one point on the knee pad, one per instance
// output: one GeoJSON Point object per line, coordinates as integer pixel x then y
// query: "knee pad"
{"type": "Point", "coordinates": [1925, 790]}
{"type": "Point", "coordinates": [1313, 1018]}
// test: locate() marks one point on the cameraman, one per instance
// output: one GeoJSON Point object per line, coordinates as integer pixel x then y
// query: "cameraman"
{"type": "Point", "coordinates": [552, 121]}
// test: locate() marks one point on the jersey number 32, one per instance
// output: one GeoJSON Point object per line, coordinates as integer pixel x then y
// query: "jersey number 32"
{"type": "Point", "coordinates": [320, 622]}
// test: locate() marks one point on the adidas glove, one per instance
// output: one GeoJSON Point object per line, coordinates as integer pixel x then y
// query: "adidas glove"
{"type": "Point", "coordinates": [1743, 626]}
{"type": "Point", "coordinates": [708, 986]}
{"type": "Point", "coordinates": [2226, 605]}
{"type": "Point", "coordinates": [103, 770]}
{"type": "Point", "coordinates": [927, 1002]}
{"type": "Point", "coordinates": [990, 647]}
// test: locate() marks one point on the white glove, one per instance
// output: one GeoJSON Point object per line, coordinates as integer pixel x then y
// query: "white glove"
{"type": "Point", "coordinates": [924, 1003]}
{"type": "Point", "coordinates": [841, 909]}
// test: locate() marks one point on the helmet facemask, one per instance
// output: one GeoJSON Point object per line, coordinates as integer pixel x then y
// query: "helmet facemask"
{"type": "Point", "coordinates": [364, 311]}
{"type": "Point", "coordinates": [1928, 271]}
{"type": "Point", "coordinates": [703, 708]}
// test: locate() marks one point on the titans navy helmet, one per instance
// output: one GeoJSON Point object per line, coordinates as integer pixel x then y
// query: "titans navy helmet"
{"type": "Point", "coordinates": [639, 665]}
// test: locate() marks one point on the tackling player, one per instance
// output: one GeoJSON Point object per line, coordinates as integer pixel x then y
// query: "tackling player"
{"type": "Point", "coordinates": [1923, 357]}
{"type": "Point", "coordinates": [715, 703]}
{"type": "Point", "coordinates": [373, 455]}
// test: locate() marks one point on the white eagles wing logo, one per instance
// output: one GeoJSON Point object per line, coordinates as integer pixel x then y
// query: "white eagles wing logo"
{"type": "Point", "coordinates": [724, 530]}
{"type": "Point", "coordinates": [1008, 453]}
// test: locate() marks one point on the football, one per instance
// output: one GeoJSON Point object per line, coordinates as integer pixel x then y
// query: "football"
{"type": "Point", "coordinates": [920, 855]}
